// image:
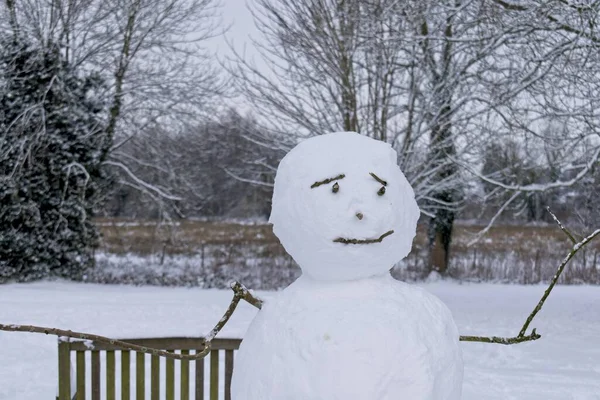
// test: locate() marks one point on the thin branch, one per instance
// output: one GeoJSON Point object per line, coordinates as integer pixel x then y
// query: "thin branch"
{"type": "Point", "coordinates": [501, 340]}
{"type": "Point", "coordinates": [252, 181]}
{"type": "Point", "coordinates": [245, 294]}
{"type": "Point", "coordinates": [534, 187]}
{"type": "Point", "coordinates": [364, 241]}
{"type": "Point", "coordinates": [485, 230]}
{"type": "Point", "coordinates": [378, 179]}
{"type": "Point", "coordinates": [103, 339]}
{"type": "Point", "coordinates": [521, 337]}
{"type": "Point", "coordinates": [141, 182]}
{"type": "Point", "coordinates": [571, 237]}
{"type": "Point", "coordinates": [326, 181]}
{"type": "Point", "coordinates": [562, 266]}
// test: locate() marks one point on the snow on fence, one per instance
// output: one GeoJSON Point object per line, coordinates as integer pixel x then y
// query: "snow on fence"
{"type": "Point", "coordinates": [106, 371]}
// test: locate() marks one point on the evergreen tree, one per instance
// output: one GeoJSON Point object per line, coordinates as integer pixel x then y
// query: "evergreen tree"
{"type": "Point", "coordinates": [52, 144]}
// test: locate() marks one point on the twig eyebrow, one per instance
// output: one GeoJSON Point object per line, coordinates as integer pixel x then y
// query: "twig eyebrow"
{"type": "Point", "coordinates": [378, 179]}
{"type": "Point", "coordinates": [326, 181]}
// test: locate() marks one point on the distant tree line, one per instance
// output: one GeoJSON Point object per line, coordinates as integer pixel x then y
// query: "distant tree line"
{"type": "Point", "coordinates": [219, 171]}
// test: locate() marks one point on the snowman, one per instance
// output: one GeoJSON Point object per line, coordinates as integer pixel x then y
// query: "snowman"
{"type": "Point", "coordinates": [346, 329]}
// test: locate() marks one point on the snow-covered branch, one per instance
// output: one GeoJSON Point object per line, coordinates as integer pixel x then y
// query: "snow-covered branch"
{"type": "Point", "coordinates": [141, 182]}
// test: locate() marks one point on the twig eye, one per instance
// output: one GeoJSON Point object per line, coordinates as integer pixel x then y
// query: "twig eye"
{"type": "Point", "coordinates": [381, 191]}
{"type": "Point", "coordinates": [335, 188]}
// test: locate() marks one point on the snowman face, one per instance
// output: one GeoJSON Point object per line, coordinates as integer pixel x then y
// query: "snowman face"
{"type": "Point", "coordinates": [342, 208]}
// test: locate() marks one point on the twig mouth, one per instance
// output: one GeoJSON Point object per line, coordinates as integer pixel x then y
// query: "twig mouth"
{"type": "Point", "coordinates": [363, 241]}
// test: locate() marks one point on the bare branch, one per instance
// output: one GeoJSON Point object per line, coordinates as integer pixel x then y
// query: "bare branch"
{"type": "Point", "coordinates": [522, 337]}
{"type": "Point", "coordinates": [571, 237]}
{"type": "Point", "coordinates": [485, 230]}
{"type": "Point", "coordinates": [103, 339]}
{"type": "Point", "coordinates": [561, 268]}
{"type": "Point", "coordinates": [141, 182]}
{"type": "Point", "coordinates": [501, 340]}
{"type": "Point", "coordinates": [536, 187]}
{"type": "Point", "coordinates": [245, 294]}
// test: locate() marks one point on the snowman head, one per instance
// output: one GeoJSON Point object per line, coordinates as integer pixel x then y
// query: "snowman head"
{"type": "Point", "coordinates": [342, 208]}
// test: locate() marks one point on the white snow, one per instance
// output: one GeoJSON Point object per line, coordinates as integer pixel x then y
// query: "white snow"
{"type": "Point", "coordinates": [563, 365]}
{"type": "Point", "coordinates": [323, 340]}
{"type": "Point", "coordinates": [307, 219]}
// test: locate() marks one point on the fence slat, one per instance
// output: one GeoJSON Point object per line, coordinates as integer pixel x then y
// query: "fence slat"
{"type": "Point", "coordinates": [199, 378]}
{"type": "Point", "coordinates": [125, 375]}
{"type": "Point", "coordinates": [155, 378]}
{"type": "Point", "coordinates": [228, 373]}
{"type": "Point", "coordinates": [110, 375]}
{"type": "Point", "coordinates": [185, 377]}
{"type": "Point", "coordinates": [95, 375]}
{"type": "Point", "coordinates": [140, 377]}
{"type": "Point", "coordinates": [64, 371]}
{"type": "Point", "coordinates": [214, 375]}
{"type": "Point", "coordinates": [81, 375]}
{"type": "Point", "coordinates": [170, 375]}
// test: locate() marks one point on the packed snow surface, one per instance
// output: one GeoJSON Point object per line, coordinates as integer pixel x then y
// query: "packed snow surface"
{"type": "Point", "coordinates": [563, 365]}
{"type": "Point", "coordinates": [343, 186]}
{"type": "Point", "coordinates": [321, 340]}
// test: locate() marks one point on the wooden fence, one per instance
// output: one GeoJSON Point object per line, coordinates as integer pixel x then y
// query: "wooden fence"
{"type": "Point", "coordinates": [115, 380]}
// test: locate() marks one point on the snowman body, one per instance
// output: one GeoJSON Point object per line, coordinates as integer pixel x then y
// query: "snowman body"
{"type": "Point", "coordinates": [373, 339]}
{"type": "Point", "coordinates": [346, 329]}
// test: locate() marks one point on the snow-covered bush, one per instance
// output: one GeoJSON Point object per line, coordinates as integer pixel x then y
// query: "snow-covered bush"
{"type": "Point", "coordinates": [52, 144]}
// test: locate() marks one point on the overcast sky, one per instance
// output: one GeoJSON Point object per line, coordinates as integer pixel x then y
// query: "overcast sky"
{"type": "Point", "coordinates": [238, 18]}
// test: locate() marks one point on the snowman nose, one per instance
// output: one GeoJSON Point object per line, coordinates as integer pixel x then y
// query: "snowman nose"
{"type": "Point", "coordinates": [360, 216]}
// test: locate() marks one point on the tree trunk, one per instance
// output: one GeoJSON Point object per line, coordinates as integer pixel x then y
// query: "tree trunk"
{"type": "Point", "coordinates": [12, 16]}
{"type": "Point", "coordinates": [447, 194]}
{"type": "Point", "coordinates": [440, 237]}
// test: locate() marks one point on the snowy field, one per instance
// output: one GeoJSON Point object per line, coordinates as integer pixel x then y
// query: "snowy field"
{"type": "Point", "coordinates": [563, 365]}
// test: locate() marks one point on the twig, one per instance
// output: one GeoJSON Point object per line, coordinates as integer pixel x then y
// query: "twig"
{"type": "Point", "coordinates": [378, 179]}
{"type": "Point", "coordinates": [326, 181]}
{"type": "Point", "coordinates": [521, 337]}
{"type": "Point", "coordinates": [561, 267]}
{"type": "Point", "coordinates": [571, 237]}
{"type": "Point", "coordinates": [501, 340]}
{"type": "Point", "coordinates": [103, 339]}
{"type": "Point", "coordinates": [363, 241]}
{"type": "Point", "coordinates": [240, 293]}
{"type": "Point", "coordinates": [243, 292]}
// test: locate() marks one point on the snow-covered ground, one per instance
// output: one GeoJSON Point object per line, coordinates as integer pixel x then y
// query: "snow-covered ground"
{"type": "Point", "coordinates": [563, 365]}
